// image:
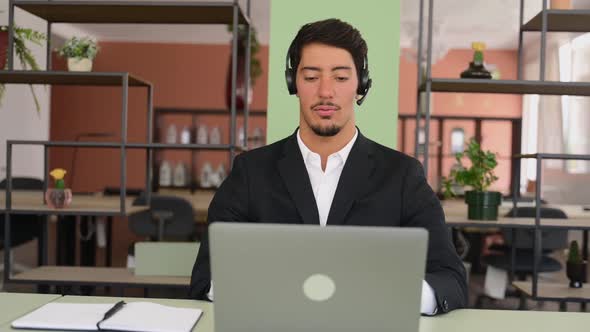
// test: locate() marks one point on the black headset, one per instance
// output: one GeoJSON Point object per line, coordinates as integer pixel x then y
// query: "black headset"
{"type": "Point", "coordinates": [365, 81]}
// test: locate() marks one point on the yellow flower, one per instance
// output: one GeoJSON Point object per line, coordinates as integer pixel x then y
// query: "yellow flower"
{"type": "Point", "coordinates": [478, 46]}
{"type": "Point", "coordinates": [58, 173]}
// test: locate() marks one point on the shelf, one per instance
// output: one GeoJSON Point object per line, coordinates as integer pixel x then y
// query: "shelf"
{"type": "Point", "coordinates": [111, 145]}
{"type": "Point", "coordinates": [159, 12]}
{"type": "Point", "coordinates": [559, 156]}
{"type": "Point", "coordinates": [185, 189]}
{"type": "Point", "coordinates": [548, 290]}
{"type": "Point", "coordinates": [219, 112]}
{"type": "Point", "coordinates": [561, 21]}
{"type": "Point", "coordinates": [509, 87]}
{"type": "Point", "coordinates": [459, 117]}
{"type": "Point", "coordinates": [28, 202]}
{"type": "Point", "coordinates": [107, 276]}
{"type": "Point", "coordinates": [69, 78]}
{"type": "Point", "coordinates": [118, 145]}
{"type": "Point", "coordinates": [221, 147]}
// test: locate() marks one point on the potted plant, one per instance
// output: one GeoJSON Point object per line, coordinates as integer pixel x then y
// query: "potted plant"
{"type": "Point", "coordinates": [58, 197]}
{"type": "Point", "coordinates": [576, 267]}
{"type": "Point", "coordinates": [255, 66]}
{"type": "Point", "coordinates": [482, 204]}
{"type": "Point", "coordinates": [23, 53]}
{"type": "Point", "coordinates": [80, 52]}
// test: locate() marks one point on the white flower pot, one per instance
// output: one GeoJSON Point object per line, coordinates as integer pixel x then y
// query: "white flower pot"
{"type": "Point", "coordinates": [79, 64]}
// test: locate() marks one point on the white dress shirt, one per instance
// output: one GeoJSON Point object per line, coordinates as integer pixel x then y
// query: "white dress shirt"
{"type": "Point", "coordinates": [324, 184]}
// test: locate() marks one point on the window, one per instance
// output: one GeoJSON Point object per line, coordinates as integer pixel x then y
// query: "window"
{"type": "Point", "coordinates": [457, 140]}
{"type": "Point", "coordinates": [574, 67]}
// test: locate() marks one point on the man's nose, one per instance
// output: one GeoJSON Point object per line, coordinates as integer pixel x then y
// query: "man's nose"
{"type": "Point", "coordinates": [326, 88]}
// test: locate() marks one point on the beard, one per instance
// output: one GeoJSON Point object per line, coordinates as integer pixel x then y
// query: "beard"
{"type": "Point", "coordinates": [329, 131]}
{"type": "Point", "coordinates": [325, 131]}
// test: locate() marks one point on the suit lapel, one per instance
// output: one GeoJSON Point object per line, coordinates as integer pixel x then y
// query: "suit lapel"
{"type": "Point", "coordinates": [294, 174]}
{"type": "Point", "coordinates": [353, 180]}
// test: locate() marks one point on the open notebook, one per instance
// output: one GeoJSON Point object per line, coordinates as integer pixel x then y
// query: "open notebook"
{"type": "Point", "coordinates": [133, 316]}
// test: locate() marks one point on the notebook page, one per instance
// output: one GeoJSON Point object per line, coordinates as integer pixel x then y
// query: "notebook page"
{"type": "Point", "coordinates": [64, 316]}
{"type": "Point", "coordinates": [152, 317]}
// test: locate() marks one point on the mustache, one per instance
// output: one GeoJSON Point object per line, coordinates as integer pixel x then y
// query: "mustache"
{"type": "Point", "coordinates": [325, 103]}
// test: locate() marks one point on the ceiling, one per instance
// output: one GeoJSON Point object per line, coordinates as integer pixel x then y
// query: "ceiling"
{"type": "Point", "coordinates": [456, 22]}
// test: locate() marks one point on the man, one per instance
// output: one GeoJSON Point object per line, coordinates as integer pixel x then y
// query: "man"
{"type": "Point", "coordinates": [328, 173]}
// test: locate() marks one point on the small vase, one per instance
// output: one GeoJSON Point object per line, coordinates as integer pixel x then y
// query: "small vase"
{"type": "Point", "coordinates": [80, 64]}
{"type": "Point", "coordinates": [476, 71]}
{"type": "Point", "coordinates": [3, 46]}
{"type": "Point", "coordinates": [58, 198]}
{"type": "Point", "coordinates": [240, 88]}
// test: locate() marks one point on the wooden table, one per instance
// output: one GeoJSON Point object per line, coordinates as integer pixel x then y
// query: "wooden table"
{"type": "Point", "coordinates": [97, 276]}
{"type": "Point", "coordinates": [82, 204]}
{"type": "Point", "coordinates": [456, 215]}
{"type": "Point", "coordinates": [86, 205]}
{"type": "Point", "coordinates": [554, 290]}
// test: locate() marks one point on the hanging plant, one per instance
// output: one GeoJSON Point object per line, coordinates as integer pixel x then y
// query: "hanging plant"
{"type": "Point", "coordinates": [255, 65]}
{"type": "Point", "coordinates": [24, 55]}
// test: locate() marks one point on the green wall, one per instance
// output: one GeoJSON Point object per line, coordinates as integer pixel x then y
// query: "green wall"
{"type": "Point", "coordinates": [379, 23]}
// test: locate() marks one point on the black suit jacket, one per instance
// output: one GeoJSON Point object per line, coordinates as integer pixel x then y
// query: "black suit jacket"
{"type": "Point", "coordinates": [378, 187]}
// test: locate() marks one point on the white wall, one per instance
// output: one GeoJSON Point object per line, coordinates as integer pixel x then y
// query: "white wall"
{"type": "Point", "coordinates": [18, 117]}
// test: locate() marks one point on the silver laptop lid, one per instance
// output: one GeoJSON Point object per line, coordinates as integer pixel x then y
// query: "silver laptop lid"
{"type": "Point", "coordinates": [272, 277]}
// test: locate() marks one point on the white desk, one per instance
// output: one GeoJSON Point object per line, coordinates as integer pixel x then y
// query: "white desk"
{"type": "Point", "coordinates": [15, 305]}
{"type": "Point", "coordinates": [466, 320]}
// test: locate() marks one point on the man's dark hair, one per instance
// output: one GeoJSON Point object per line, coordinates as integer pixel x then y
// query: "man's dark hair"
{"type": "Point", "coordinates": [332, 32]}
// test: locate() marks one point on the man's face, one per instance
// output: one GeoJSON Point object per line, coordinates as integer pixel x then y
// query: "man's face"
{"type": "Point", "coordinates": [326, 87]}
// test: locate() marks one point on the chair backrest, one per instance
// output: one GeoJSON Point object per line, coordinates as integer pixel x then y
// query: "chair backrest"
{"type": "Point", "coordinates": [181, 224]}
{"type": "Point", "coordinates": [171, 259]}
{"type": "Point", "coordinates": [23, 183]}
{"type": "Point", "coordinates": [551, 239]}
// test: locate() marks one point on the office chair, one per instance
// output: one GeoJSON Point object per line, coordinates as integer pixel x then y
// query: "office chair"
{"type": "Point", "coordinates": [23, 228]}
{"type": "Point", "coordinates": [168, 217]}
{"type": "Point", "coordinates": [552, 240]}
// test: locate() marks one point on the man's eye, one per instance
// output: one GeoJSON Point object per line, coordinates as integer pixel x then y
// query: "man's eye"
{"type": "Point", "coordinates": [310, 79]}
{"type": "Point", "coordinates": [342, 79]}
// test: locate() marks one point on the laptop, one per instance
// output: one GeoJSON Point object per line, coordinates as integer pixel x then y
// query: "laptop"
{"type": "Point", "coordinates": [277, 277]}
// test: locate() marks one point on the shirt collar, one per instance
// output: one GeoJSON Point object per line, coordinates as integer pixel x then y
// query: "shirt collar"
{"type": "Point", "coordinates": [343, 153]}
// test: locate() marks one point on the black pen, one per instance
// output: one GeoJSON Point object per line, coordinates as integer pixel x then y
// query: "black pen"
{"type": "Point", "coordinates": [118, 306]}
{"type": "Point", "coordinates": [111, 312]}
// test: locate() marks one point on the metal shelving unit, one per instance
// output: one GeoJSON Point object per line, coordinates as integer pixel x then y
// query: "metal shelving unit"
{"type": "Point", "coordinates": [560, 21]}
{"type": "Point", "coordinates": [520, 87]}
{"type": "Point", "coordinates": [194, 113]}
{"type": "Point", "coordinates": [112, 12]}
{"type": "Point", "coordinates": [534, 289]}
{"type": "Point", "coordinates": [548, 20]}
{"type": "Point", "coordinates": [478, 121]}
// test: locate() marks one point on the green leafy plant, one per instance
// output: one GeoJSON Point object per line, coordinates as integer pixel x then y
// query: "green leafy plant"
{"type": "Point", "coordinates": [574, 253]}
{"type": "Point", "coordinates": [75, 47]}
{"type": "Point", "coordinates": [479, 176]}
{"type": "Point", "coordinates": [24, 54]}
{"type": "Point", "coordinates": [255, 65]}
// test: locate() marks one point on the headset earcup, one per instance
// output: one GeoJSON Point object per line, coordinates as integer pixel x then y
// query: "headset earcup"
{"type": "Point", "coordinates": [290, 79]}
{"type": "Point", "coordinates": [363, 87]}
